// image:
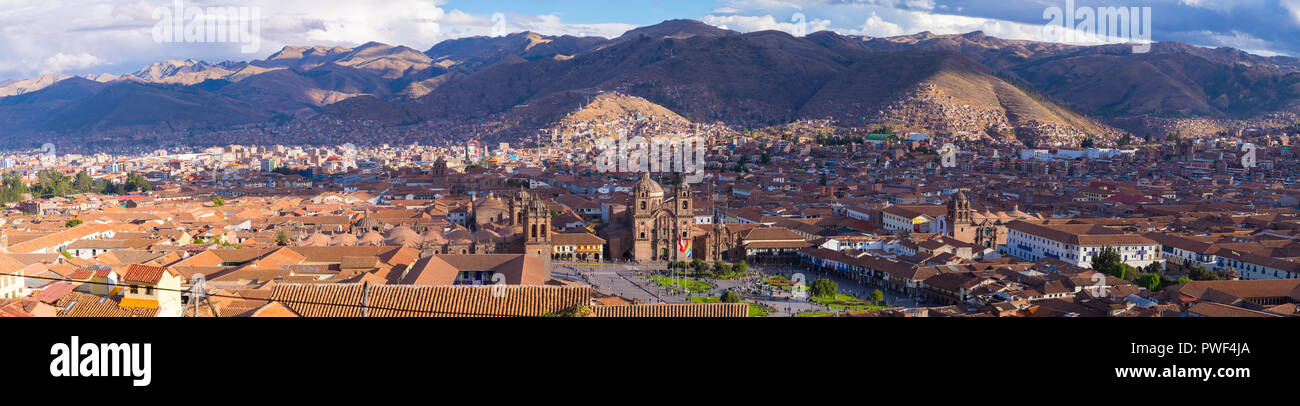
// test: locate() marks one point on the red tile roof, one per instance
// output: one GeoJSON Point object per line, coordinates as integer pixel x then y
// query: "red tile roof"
{"type": "Point", "coordinates": [145, 273]}
{"type": "Point", "coordinates": [344, 300]}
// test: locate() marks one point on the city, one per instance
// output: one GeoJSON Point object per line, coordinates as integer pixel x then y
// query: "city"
{"type": "Point", "coordinates": [646, 195]}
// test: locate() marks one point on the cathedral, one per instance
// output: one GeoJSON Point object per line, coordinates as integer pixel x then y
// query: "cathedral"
{"type": "Point", "coordinates": [659, 227]}
{"type": "Point", "coordinates": [663, 226]}
{"type": "Point", "coordinates": [984, 228]}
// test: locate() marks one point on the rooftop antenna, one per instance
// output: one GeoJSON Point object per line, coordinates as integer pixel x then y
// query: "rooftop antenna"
{"type": "Point", "coordinates": [199, 292]}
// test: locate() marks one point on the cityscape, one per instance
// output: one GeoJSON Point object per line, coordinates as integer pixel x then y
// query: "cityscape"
{"type": "Point", "coordinates": [681, 168]}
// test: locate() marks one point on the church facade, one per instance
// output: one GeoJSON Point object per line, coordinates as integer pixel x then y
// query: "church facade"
{"type": "Point", "coordinates": [659, 227]}
{"type": "Point", "coordinates": [984, 228]}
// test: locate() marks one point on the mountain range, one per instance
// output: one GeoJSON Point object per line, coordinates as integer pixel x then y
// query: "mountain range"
{"type": "Point", "coordinates": [971, 84]}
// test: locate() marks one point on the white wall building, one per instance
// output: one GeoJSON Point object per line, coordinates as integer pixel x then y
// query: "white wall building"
{"type": "Point", "coordinates": [1077, 244]}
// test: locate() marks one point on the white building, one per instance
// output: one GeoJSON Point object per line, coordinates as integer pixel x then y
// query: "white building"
{"type": "Point", "coordinates": [1077, 243]}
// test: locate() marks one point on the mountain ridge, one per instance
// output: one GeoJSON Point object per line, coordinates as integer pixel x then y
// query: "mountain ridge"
{"type": "Point", "coordinates": [1014, 89]}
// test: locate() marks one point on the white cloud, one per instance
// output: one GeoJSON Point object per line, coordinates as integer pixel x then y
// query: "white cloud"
{"type": "Point", "coordinates": [1294, 7]}
{"type": "Point", "coordinates": [63, 62]}
{"type": "Point", "coordinates": [878, 27]}
{"type": "Point", "coordinates": [114, 36]}
{"type": "Point", "coordinates": [552, 25]}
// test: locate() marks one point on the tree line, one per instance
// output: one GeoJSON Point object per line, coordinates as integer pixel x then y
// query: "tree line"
{"type": "Point", "coordinates": [50, 183]}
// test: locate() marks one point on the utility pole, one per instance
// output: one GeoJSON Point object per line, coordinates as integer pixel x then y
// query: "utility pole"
{"type": "Point", "coordinates": [199, 292]}
{"type": "Point", "coordinates": [365, 299]}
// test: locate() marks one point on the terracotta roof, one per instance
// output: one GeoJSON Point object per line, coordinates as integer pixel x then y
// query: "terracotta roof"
{"type": "Point", "coordinates": [77, 304]}
{"type": "Point", "coordinates": [1209, 309]}
{"type": "Point", "coordinates": [340, 300]}
{"type": "Point", "coordinates": [1080, 234]}
{"type": "Point", "coordinates": [576, 239]}
{"type": "Point", "coordinates": [145, 273]}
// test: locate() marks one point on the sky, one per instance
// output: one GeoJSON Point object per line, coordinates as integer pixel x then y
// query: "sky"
{"type": "Point", "coordinates": [80, 37]}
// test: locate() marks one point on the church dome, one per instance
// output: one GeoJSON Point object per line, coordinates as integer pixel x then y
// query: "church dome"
{"type": "Point", "coordinates": [317, 240]}
{"type": "Point", "coordinates": [460, 236]}
{"type": "Point", "coordinates": [401, 232]}
{"type": "Point", "coordinates": [486, 236]}
{"type": "Point", "coordinates": [344, 240]}
{"type": "Point", "coordinates": [367, 223]}
{"type": "Point", "coordinates": [649, 186]}
{"type": "Point", "coordinates": [490, 203]}
{"type": "Point", "coordinates": [434, 237]}
{"type": "Point", "coordinates": [371, 238]}
{"type": "Point", "coordinates": [403, 235]}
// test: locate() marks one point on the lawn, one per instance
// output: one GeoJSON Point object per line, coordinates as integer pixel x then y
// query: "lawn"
{"type": "Point", "coordinates": [732, 275]}
{"type": "Point", "coordinates": [779, 282]}
{"type": "Point", "coordinates": [679, 283]}
{"type": "Point", "coordinates": [845, 302]}
{"type": "Point", "coordinates": [815, 314]}
{"type": "Point", "coordinates": [704, 299]}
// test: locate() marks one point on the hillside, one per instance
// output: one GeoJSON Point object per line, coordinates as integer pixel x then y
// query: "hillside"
{"type": "Point", "coordinates": [970, 85]}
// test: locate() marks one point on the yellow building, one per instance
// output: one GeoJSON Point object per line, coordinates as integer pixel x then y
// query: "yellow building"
{"type": "Point", "coordinates": [583, 247]}
{"type": "Point", "coordinates": [152, 286]}
{"type": "Point", "coordinates": [96, 281]}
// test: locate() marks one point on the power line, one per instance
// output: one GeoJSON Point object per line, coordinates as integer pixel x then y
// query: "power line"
{"type": "Point", "coordinates": [362, 306]}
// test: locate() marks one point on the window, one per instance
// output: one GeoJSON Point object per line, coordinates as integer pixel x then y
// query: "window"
{"type": "Point", "coordinates": [135, 289]}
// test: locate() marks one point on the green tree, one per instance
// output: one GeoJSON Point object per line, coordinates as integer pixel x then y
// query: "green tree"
{"type": "Point", "coordinates": [730, 297]}
{"type": "Point", "coordinates": [73, 223]}
{"type": "Point", "coordinates": [1154, 268]}
{"type": "Point", "coordinates": [1109, 262]}
{"type": "Point", "coordinates": [1150, 281]}
{"type": "Point", "coordinates": [699, 265]}
{"type": "Point", "coordinates": [877, 296]}
{"type": "Point", "coordinates": [218, 201]}
{"type": "Point", "coordinates": [823, 287]}
{"type": "Point", "coordinates": [741, 267]}
{"type": "Point", "coordinates": [1183, 279]}
{"type": "Point", "coordinates": [720, 268]}
{"type": "Point", "coordinates": [13, 188]}
{"type": "Point", "coordinates": [282, 238]}
{"type": "Point", "coordinates": [574, 310]}
{"type": "Point", "coordinates": [83, 183]}
{"type": "Point", "coordinates": [1199, 273]}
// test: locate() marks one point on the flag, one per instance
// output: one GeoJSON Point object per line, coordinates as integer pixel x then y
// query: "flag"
{"type": "Point", "coordinates": [684, 248]}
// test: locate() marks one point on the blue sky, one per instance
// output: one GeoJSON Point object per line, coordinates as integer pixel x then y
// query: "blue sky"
{"type": "Point", "coordinates": [116, 36]}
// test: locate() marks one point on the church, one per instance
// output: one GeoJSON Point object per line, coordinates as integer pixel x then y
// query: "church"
{"type": "Point", "coordinates": [984, 228]}
{"type": "Point", "coordinates": [658, 227]}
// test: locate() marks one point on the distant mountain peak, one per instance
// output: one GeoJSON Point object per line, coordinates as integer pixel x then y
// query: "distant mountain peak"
{"type": "Point", "coordinates": [677, 29]}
